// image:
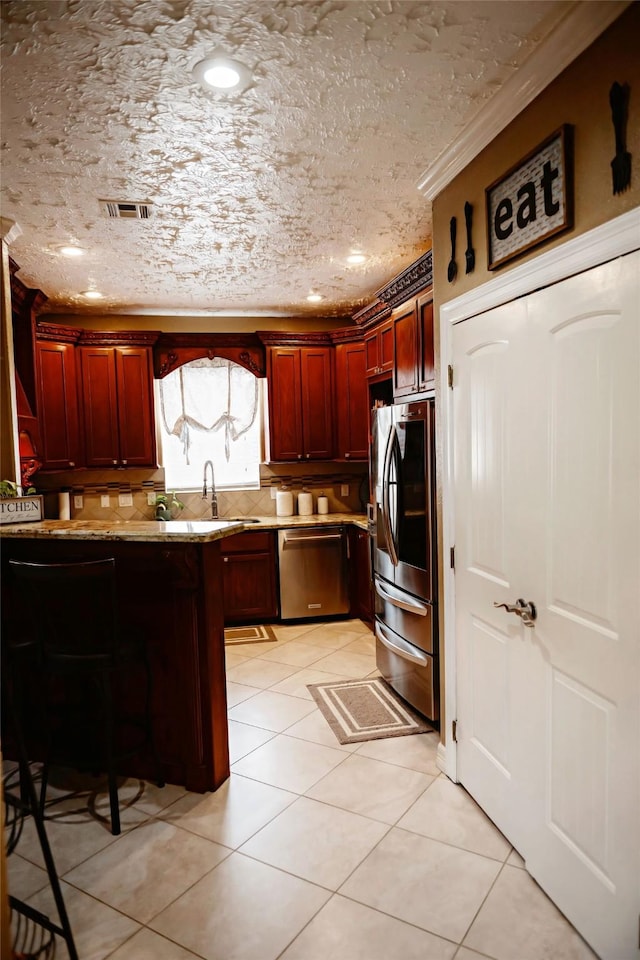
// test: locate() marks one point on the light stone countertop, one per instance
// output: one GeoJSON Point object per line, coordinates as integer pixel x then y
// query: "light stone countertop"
{"type": "Point", "coordinates": [175, 531]}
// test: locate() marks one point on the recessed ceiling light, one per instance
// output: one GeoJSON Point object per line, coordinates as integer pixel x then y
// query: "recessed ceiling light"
{"type": "Point", "coordinates": [72, 251]}
{"type": "Point", "coordinates": [219, 72]}
{"type": "Point", "coordinates": [356, 258]}
{"type": "Point", "coordinates": [92, 294]}
{"type": "Point", "coordinates": [314, 298]}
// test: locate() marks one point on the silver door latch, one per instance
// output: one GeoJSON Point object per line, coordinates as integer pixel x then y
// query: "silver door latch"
{"type": "Point", "coordinates": [526, 611]}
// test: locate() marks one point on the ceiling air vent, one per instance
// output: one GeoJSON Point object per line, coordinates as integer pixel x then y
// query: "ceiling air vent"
{"type": "Point", "coordinates": [126, 210]}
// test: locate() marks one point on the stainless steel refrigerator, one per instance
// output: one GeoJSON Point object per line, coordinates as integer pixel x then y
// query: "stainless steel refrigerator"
{"type": "Point", "coordinates": [403, 551]}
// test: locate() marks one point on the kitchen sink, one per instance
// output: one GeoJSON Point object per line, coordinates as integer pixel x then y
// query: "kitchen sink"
{"type": "Point", "coordinates": [244, 519]}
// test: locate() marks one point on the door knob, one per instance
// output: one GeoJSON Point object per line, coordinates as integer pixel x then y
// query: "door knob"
{"type": "Point", "coordinates": [523, 609]}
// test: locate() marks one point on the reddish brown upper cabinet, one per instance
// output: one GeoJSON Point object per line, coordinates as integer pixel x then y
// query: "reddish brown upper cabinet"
{"type": "Point", "coordinates": [57, 397]}
{"type": "Point", "coordinates": [117, 405]}
{"type": "Point", "coordinates": [352, 402]}
{"type": "Point", "coordinates": [426, 372]}
{"type": "Point", "coordinates": [378, 346]}
{"type": "Point", "coordinates": [413, 365]}
{"type": "Point", "coordinates": [301, 425]}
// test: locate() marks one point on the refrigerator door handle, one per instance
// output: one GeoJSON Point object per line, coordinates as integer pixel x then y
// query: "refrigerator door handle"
{"type": "Point", "coordinates": [386, 522]}
{"type": "Point", "coordinates": [401, 648]}
{"type": "Point", "coordinates": [401, 600]}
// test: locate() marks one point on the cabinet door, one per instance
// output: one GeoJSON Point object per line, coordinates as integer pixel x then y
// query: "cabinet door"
{"type": "Point", "coordinates": [285, 406]}
{"type": "Point", "coordinates": [379, 350]}
{"type": "Point", "coordinates": [360, 569]}
{"type": "Point", "coordinates": [136, 423]}
{"type": "Point", "coordinates": [316, 372]}
{"type": "Point", "coordinates": [249, 587]}
{"type": "Point", "coordinates": [426, 372]}
{"type": "Point", "coordinates": [99, 406]}
{"type": "Point", "coordinates": [352, 402]}
{"type": "Point", "coordinates": [57, 394]}
{"type": "Point", "coordinates": [405, 350]}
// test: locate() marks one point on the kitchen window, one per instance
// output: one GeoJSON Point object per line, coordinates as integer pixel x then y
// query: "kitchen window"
{"type": "Point", "coordinates": [210, 410]}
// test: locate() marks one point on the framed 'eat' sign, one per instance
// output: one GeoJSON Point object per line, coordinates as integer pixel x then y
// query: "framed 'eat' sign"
{"type": "Point", "coordinates": [532, 201]}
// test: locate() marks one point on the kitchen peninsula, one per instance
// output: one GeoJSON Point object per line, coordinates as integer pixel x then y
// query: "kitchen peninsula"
{"type": "Point", "coordinates": [170, 592]}
{"type": "Point", "coordinates": [169, 582]}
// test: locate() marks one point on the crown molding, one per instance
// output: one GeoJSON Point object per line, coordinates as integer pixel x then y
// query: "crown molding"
{"type": "Point", "coordinates": [583, 24]}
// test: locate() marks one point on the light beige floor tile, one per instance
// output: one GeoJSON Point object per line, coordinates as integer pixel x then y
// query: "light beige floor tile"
{"type": "Point", "coordinates": [344, 930]}
{"type": "Point", "coordinates": [315, 728]}
{"type": "Point", "coordinates": [292, 631]}
{"type": "Point", "coordinates": [239, 692]}
{"type": "Point", "coordinates": [371, 788]}
{"type": "Point", "coordinates": [330, 639]}
{"type": "Point", "coordinates": [147, 945]}
{"type": "Point", "coordinates": [97, 929]}
{"type": "Point", "coordinates": [23, 877]}
{"type": "Point", "coordinates": [71, 842]}
{"type": "Point", "coordinates": [417, 751]}
{"type": "Point", "coordinates": [518, 920]}
{"type": "Point", "coordinates": [352, 665]}
{"type": "Point", "coordinates": [295, 653]}
{"type": "Point", "coordinates": [249, 650]}
{"type": "Point", "coordinates": [260, 673]}
{"type": "Point", "coordinates": [515, 860]}
{"type": "Point", "coordinates": [465, 954]}
{"type": "Point", "coordinates": [430, 884]}
{"type": "Point", "coordinates": [233, 659]}
{"type": "Point", "coordinates": [244, 738]}
{"type": "Point", "coordinates": [316, 842]}
{"type": "Point", "coordinates": [157, 798]}
{"type": "Point", "coordinates": [147, 869]}
{"type": "Point", "coordinates": [296, 684]}
{"type": "Point", "coordinates": [271, 711]}
{"type": "Point", "coordinates": [289, 763]}
{"type": "Point", "coordinates": [446, 812]}
{"type": "Point", "coordinates": [242, 910]}
{"type": "Point", "coordinates": [365, 645]}
{"type": "Point", "coordinates": [232, 814]}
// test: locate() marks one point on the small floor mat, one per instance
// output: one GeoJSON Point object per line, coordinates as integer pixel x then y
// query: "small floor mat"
{"type": "Point", "coordinates": [261, 634]}
{"type": "Point", "coordinates": [366, 710]}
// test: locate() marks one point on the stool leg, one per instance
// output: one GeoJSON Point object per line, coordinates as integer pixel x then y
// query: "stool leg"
{"type": "Point", "coordinates": [111, 771]}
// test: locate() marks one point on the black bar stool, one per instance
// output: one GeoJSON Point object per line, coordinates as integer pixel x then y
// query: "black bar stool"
{"type": "Point", "coordinates": [82, 665]}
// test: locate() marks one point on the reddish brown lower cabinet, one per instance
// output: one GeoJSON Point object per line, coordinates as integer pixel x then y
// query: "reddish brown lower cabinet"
{"type": "Point", "coordinates": [352, 402]}
{"type": "Point", "coordinates": [361, 588]}
{"type": "Point", "coordinates": [57, 398]}
{"type": "Point", "coordinates": [117, 404]}
{"type": "Point", "coordinates": [249, 577]}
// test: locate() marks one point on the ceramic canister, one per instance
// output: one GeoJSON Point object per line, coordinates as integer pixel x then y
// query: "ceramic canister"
{"type": "Point", "coordinates": [323, 504]}
{"type": "Point", "coordinates": [284, 503]}
{"type": "Point", "coordinates": [305, 504]}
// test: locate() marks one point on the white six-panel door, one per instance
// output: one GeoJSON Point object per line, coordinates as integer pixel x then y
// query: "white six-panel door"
{"type": "Point", "coordinates": [546, 411]}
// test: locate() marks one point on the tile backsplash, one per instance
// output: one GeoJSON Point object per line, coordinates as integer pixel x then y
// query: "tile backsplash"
{"type": "Point", "coordinates": [94, 486]}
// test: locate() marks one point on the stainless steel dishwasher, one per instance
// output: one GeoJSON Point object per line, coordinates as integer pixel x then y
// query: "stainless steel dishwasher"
{"type": "Point", "coordinates": [313, 572]}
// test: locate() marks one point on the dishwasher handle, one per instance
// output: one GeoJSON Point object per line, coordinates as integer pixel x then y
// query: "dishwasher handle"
{"type": "Point", "coordinates": [319, 538]}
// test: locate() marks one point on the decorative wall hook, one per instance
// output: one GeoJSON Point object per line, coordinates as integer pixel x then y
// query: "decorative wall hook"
{"type": "Point", "coordinates": [621, 163]}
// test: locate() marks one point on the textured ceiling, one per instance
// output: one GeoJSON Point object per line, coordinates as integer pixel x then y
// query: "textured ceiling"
{"type": "Point", "coordinates": [256, 199]}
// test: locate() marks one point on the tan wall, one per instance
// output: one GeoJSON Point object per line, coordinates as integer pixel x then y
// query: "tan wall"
{"type": "Point", "coordinates": [579, 96]}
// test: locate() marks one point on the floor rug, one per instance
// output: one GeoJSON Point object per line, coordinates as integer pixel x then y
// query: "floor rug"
{"type": "Point", "coordinates": [261, 634]}
{"type": "Point", "coordinates": [365, 710]}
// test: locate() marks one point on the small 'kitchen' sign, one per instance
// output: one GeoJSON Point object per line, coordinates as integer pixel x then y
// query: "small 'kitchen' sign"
{"type": "Point", "coordinates": [533, 201]}
{"type": "Point", "coordinates": [20, 509]}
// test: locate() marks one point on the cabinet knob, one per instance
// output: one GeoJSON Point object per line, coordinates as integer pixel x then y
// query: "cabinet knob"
{"type": "Point", "coordinates": [115, 462]}
{"type": "Point", "coordinates": [71, 463]}
{"type": "Point", "coordinates": [299, 456]}
{"type": "Point", "coordinates": [347, 455]}
{"type": "Point", "coordinates": [124, 463]}
{"type": "Point", "coordinates": [225, 559]}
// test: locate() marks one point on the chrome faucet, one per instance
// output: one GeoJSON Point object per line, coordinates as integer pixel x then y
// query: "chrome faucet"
{"type": "Point", "coordinates": [214, 495]}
